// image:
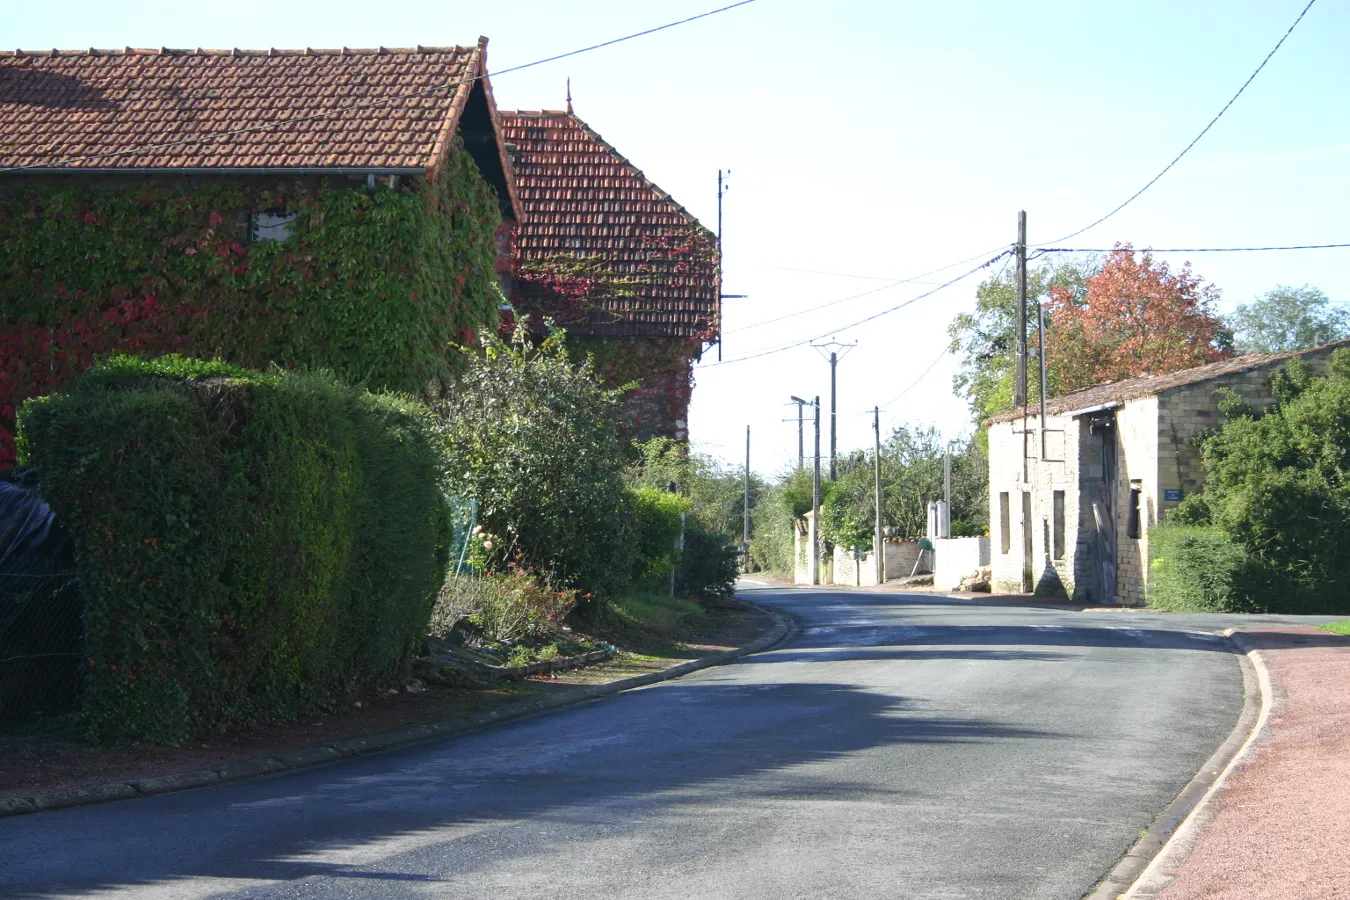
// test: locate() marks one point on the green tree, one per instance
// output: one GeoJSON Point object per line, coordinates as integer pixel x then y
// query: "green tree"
{"type": "Point", "coordinates": [716, 492]}
{"type": "Point", "coordinates": [985, 341]}
{"type": "Point", "coordinates": [1288, 318]}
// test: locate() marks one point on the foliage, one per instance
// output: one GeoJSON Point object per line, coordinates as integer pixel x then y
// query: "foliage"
{"type": "Point", "coordinates": [985, 341]}
{"type": "Point", "coordinates": [656, 529]}
{"type": "Point", "coordinates": [250, 547]}
{"type": "Point", "coordinates": [716, 493]}
{"type": "Point", "coordinates": [774, 518]}
{"type": "Point", "coordinates": [1337, 627]}
{"type": "Point", "coordinates": [1277, 486]}
{"type": "Point", "coordinates": [458, 598]}
{"type": "Point", "coordinates": [1137, 317]}
{"type": "Point", "coordinates": [531, 437]}
{"type": "Point", "coordinates": [1194, 568]}
{"type": "Point", "coordinates": [709, 564]}
{"type": "Point", "coordinates": [516, 603]}
{"type": "Point", "coordinates": [375, 286]}
{"type": "Point", "coordinates": [1288, 318]}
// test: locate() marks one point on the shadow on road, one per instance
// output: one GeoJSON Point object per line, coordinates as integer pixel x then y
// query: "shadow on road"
{"type": "Point", "coordinates": [686, 744]}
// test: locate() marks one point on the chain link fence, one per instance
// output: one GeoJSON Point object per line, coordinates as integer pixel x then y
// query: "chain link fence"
{"type": "Point", "coordinates": [41, 613]}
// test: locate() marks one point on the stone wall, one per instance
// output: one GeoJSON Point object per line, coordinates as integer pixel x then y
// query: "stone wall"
{"type": "Point", "coordinates": [861, 571]}
{"type": "Point", "coordinates": [1136, 470]}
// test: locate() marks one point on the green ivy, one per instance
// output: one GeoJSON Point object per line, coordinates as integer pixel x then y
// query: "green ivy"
{"type": "Point", "coordinates": [376, 286]}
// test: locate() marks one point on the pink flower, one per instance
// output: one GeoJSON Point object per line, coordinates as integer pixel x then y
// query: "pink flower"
{"type": "Point", "coordinates": [487, 545]}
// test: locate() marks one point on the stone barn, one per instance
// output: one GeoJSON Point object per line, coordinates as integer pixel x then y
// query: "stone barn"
{"type": "Point", "coordinates": [1071, 498]}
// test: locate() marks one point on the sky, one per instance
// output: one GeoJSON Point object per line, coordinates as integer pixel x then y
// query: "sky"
{"type": "Point", "coordinates": [870, 142]}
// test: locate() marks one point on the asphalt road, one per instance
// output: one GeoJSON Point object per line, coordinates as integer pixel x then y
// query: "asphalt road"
{"type": "Point", "coordinates": [897, 746]}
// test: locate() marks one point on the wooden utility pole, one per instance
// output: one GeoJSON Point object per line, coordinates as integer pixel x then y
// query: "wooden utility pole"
{"type": "Point", "coordinates": [745, 538]}
{"type": "Point", "coordinates": [879, 548]}
{"type": "Point", "coordinates": [834, 357]}
{"type": "Point", "coordinates": [1040, 332]}
{"type": "Point", "coordinates": [814, 563]}
{"type": "Point", "coordinates": [1020, 392]}
{"type": "Point", "coordinates": [801, 458]}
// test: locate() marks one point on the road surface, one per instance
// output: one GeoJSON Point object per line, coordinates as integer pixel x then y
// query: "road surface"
{"type": "Point", "coordinates": [899, 745]}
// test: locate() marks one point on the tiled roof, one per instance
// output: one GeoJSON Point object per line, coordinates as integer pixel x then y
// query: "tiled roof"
{"type": "Point", "coordinates": [582, 198]}
{"type": "Point", "coordinates": [1148, 385]}
{"type": "Point", "coordinates": [191, 109]}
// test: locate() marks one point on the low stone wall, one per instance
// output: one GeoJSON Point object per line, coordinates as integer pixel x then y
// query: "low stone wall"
{"type": "Point", "coordinates": [958, 558]}
{"type": "Point", "coordinates": [861, 571]}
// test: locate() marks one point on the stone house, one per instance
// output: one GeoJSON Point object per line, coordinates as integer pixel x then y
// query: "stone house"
{"type": "Point", "coordinates": [625, 269]}
{"type": "Point", "coordinates": [181, 171]}
{"type": "Point", "coordinates": [1071, 498]}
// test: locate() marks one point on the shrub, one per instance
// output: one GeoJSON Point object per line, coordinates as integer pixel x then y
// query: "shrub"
{"type": "Point", "coordinates": [1194, 568]}
{"type": "Point", "coordinates": [532, 438]}
{"type": "Point", "coordinates": [250, 546]}
{"type": "Point", "coordinates": [708, 566]}
{"type": "Point", "coordinates": [516, 604]}
{"type": "Point", "coordinates": [656, 526]}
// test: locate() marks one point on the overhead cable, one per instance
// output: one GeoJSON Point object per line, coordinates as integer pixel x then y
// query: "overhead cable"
{"type": "Point", "coordinates": [1045, 250]}
{"type": "Point", "coordinates": [1196, 139]}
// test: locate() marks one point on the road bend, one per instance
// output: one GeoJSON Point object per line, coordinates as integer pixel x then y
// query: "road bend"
{"type": "Point", "coordinates": [899, 745]}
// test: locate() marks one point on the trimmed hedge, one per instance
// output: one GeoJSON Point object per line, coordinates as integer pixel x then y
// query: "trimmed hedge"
{"type": "Point", "coordinates": [251, 546]}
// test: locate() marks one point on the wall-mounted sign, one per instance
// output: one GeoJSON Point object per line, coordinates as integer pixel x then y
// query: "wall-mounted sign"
{"type": "Point", "coordinates": [1172, 495]}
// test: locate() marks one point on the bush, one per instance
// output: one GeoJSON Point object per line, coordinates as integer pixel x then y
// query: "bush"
{"type": "Point", "coordinates": [1195, 568]}
{"type": "Point", "coordinates": [708, 566]}
{"type": "Point", "coordinates": [250, 546]}
{"type": "Point", "coordinates": [532, 438]}
{"type": "Point", "coordinates": [515, 604]}
{"type": "Point", "coordinates": [656, 527]}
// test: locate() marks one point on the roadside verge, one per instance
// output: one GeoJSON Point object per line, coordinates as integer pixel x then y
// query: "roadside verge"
{"type": "Point", "coordinates": [396, 738]}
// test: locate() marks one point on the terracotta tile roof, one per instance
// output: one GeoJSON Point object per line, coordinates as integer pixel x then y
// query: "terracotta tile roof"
{"type": "Point", "coordinates": [184, 109]}
{"type": "Point", "coordinates": [1147, 385]}
{"type": "Point", "coordinates": [582, 198]}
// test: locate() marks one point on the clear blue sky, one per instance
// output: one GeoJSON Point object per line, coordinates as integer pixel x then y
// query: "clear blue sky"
{"type": "Point", "coordinates": [885, 139]}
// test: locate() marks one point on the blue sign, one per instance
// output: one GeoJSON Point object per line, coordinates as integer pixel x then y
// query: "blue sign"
{"type": "Point", "coordinates": [1172, 495]}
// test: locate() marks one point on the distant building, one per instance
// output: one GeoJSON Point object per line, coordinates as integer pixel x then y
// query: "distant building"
{"type": "Point", "coordinates": [627, 270]}
{"type": "Point", "coordinates": [1070, 516]}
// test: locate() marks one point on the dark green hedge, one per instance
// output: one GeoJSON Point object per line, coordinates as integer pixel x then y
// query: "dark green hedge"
{"type": "Point", "coordinates": [1196, 568]}
{"type": "Point", "coordinates": [251, 547]}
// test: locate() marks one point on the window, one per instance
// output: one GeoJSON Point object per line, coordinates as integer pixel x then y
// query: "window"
{"type": "Point", "coordinates": [1132, 529]}
{"type": "Point", "coordinates": [1005, 521]}
{"type": "Point", "coordinates": [273, 225]}
{"type": "Point", "coordinates": [1059, 525]}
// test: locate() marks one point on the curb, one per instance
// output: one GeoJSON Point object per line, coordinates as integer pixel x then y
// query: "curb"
{"type": "Point", "coordinates": [1141, 874]}
{"type": "Point", "coordinates": [359, 745]}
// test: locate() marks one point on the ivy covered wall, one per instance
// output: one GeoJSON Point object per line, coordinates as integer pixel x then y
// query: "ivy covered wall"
{"type": "Point", "coordinates": [374, 285]}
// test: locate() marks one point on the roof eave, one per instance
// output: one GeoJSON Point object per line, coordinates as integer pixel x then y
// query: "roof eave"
{"type": "Point", "coordinates": [508, 170]}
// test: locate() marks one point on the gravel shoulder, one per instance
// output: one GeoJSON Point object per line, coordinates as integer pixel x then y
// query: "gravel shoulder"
{"type": "Point", "coordinates": [1277, 827]}
{"type": "Point", "coordinates": [39, 763]}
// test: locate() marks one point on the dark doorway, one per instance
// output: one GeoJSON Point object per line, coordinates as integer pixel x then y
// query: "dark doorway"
{"type": "Point", "coordinates": [1028, 564]}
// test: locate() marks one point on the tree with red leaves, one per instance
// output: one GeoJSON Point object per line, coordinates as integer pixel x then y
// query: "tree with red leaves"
{"type": "Point", "coordinates": [1138, 317]}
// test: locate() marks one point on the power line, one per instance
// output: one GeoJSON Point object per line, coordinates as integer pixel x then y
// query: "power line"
{"type": "Point", "coordinates": [811, 309]}
{"type": "Point", "coordinates": [846, 274]}
{"type": "Point", "coordinates": [922, 376]}
{"type": "Point", "coordinates": [1197, 138]}
{"type": "Point", "coordinates": [1189, 249]}
{"type": "Point", "coordinates": [421, 92]}
{"type": "Point", "coordinates": [842, 328]}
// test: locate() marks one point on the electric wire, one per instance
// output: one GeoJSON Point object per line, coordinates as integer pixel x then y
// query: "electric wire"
{"type": "Point", "coordinates": [1045, 250]}
{"type": "Point", "coordinates": [215, 137]}
{"type": "Point", "coordinates": [1197, 138]}
{"type": "Point", "coordinates": [911, 280]}
{"type": "Point", "coordinates": [915, 382]}
{"type": "Point", "coordinates": [842, 328]}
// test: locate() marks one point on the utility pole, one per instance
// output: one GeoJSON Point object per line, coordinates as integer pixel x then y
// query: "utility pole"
{"type": "Point", "coordinates": [814, 564]}
{"type": "Point", "coordinates": [745, 538]}
{"type": "Point", "coordinates": [801, 459]}
{"type": "Point", "coordinates": [1020, 394]}
{"type": "Point", "coordinates": [879, 548]}
{"type": "Point", "coordinates": [1040, 332]}
{"type": "Point", "coordinates": [834, 347]}
{"type": "Point", "coordinates": [947, 480]}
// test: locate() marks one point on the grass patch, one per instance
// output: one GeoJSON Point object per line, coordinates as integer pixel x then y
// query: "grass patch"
{"type": "Point", "coordinates": [1337, 627]}
{"type": "Point", "coordinates": [664, 616]}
